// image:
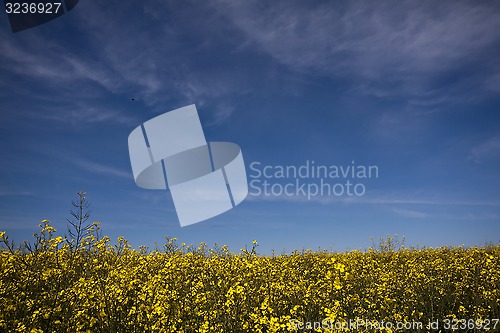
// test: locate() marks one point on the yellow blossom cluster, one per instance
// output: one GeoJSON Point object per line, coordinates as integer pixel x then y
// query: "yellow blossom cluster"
{"type": "Point", "coordinates": [105, 287]}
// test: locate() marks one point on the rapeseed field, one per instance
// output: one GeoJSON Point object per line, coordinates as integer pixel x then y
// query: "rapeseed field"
{"type": "Point", "coordinates": [55, 285]}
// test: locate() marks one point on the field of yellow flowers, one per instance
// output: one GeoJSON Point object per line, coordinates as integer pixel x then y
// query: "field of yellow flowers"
{"type": "Point", "coordinates": [97, 286]}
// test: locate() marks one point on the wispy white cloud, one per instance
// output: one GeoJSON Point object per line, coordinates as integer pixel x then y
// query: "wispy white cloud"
{"type": "Point", "coordinates": [101, 168]}
{"type": "Point", "coordinates": [221, 114]}
{"type": "Point", "coordinates": [34, 56]}
{"type": "Point", "coordinates": [94, 71]}
{"type": "Point", "coordinates": [372, 200]}
{"type": "Point", "coordinates": [7, 193]}
{"type": "Point", "coordinates": [18, 222]}
{"type": "Point", "coordinates": [410, 213]}
{"type": "Point", "coordinates": [486, 150]}
{"type": "Point", "coordinates": [405, 200]}
{"type": "Point", "coordinates": [388, 48]}
{"type": "Point", "coordinates": [80, 112]}
{"type": "Point", "coordinates": [154, 62]}
{"type": "Point", "coordinates": [406, 43]}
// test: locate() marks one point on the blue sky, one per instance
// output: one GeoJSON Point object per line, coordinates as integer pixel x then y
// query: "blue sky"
{"type": "Point", "coordinates": [412, 87]}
